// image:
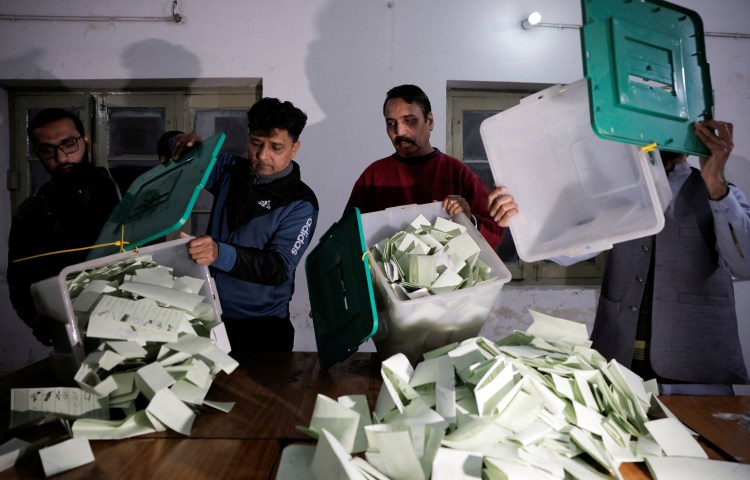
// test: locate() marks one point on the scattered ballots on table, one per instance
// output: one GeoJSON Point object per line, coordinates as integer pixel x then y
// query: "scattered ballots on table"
{"type": "Point", "coordinates": [150, 359]}
{"type": "Point", "coordinates": [146, 332]}
{"type": "Point", "coordinates": [139, 332]}
{"type": "Point", "coordinates": [539, 404]}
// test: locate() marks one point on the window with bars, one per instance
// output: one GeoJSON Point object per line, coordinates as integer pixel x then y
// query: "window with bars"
{"type": "Point", "coordinates": [125, 126]}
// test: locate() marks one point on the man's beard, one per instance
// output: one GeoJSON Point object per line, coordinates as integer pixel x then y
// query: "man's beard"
{"type": "Point", "coordinates": [63, 170]}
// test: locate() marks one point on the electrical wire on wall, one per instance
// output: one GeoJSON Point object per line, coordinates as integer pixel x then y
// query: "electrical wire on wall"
{"type": "Point", "coordinates": [534, 21]}
{"type": "Point", "coordinates": [175, 17]}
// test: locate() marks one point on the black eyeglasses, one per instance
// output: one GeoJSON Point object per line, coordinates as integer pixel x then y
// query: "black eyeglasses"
{"type": "Point", "coordinates": [45, 150]}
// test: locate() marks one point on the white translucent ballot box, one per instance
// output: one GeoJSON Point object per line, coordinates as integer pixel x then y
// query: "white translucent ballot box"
{"type": "Point", "coordinates": [416, 326]}
{"type": "Point", "coordinates": [577, 193]}
{"type": "Point", "coordinates": [158, 202]}
{"type": "Point", "coordinates": [570, 154]}
{"type": "Point", "coordinates": [351, 299]}
{"type": "Point", "coordinates": [52, 300]}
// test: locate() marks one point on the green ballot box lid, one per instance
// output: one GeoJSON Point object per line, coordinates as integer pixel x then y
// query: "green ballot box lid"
{"type": "Point", "coordinates": [645, 61]}
{"type": "Point", "coordinates": [159, 201]}
{"type": "Point", "coordinates": [341, 293]}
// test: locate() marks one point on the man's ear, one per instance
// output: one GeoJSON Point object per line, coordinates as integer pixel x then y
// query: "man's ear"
{"type": "Point", "coordinates": [430, 120]}
{"type": "Point", "coordinates": [295, 147]}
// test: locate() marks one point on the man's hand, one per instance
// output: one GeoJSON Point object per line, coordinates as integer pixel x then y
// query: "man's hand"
{"type": "Point", "coordinates": [202, 250]}
{"type": "Point", "coordinates": [454, 204]}
{"type": "Point", "coordinates": [182, 143]}
{"type": "Point", "coordinates": [502, 206]}
{"type": "Point", "coordinates": [717, 136]}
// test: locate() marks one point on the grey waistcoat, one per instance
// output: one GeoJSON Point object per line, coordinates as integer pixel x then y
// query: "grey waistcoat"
{"type": "Point", "coordinates": [694, 336]}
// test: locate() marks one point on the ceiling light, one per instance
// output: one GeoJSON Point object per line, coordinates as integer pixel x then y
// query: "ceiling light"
{"type": "Point", "coordinates": [532, 20]}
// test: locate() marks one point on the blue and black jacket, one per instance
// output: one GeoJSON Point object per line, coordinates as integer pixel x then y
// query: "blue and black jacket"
{"type": "Point", "coordinates": [262, 230]}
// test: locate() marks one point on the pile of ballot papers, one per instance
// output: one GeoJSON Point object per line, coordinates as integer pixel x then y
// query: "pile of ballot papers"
{"type": "Point", "coordinates": [150, 359]}
{"type": "Point", "coordinates": [426, 259]}
{"type": "Point", "coordinates": [140, 301]}
{"type": "Point", "coordinates": [539, 404]}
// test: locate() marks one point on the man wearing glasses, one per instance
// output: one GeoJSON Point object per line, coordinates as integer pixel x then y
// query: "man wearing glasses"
{"type": "Point", "coordinates": [65, 213]}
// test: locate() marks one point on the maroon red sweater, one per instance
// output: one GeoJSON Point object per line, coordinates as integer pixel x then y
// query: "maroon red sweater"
{"type": "Point", "coordinates": [395, 181]}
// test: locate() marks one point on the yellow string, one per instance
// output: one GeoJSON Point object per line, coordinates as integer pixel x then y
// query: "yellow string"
{"type": "Point", "coordinates": [122, 238]}
{"type": "Point", "coordinates": [648, 148]}
{"type": "Point", "coordinates": [365, 254]}
{"type": "Point", "coordinates": [120, 243]}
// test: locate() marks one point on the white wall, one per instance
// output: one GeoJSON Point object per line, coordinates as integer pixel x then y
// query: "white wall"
{"type": "Point", "coordinates": [336, 59]}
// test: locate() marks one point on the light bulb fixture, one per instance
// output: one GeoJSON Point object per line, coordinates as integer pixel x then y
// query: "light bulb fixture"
{"type": "Point", "coordinates": [529, 22]}
{"type": "Point", "coordinates": [535, 20]}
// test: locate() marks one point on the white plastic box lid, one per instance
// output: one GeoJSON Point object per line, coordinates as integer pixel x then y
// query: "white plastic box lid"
{"type": "Point", "coordinates": [418, 325]}
{"type": "Point", "coordinates": [576, 192]}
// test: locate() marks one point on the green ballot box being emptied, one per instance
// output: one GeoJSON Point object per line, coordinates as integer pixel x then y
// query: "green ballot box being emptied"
{"type": "Point", "coordinates": [352, 300]}
{"type": "Point", "coordinates": [158, 202]}
{"type": "Point", "coordinates": [593, 145]}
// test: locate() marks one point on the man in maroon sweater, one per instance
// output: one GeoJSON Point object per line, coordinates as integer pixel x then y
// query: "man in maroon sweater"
{"type": "Point", "coordinates": [419, 173]}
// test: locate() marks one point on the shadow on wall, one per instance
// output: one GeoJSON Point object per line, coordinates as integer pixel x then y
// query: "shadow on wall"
{"type": "Point", "coordinates": [157, 58]}
{"type": "Point", "coordinates": [345, 83]}
{"type": "Point", "coordinates": [144, 60]}
{"type": "Point", "coordinates": [28, 65]}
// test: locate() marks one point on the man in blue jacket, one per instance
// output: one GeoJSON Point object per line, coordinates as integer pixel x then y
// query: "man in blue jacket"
{"type": "Point", "coordinates": [262, 220]}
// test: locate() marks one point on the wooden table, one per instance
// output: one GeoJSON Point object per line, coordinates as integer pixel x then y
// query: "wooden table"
{"type": "Point", "coordinates": [166, 458]}
{"type": "Point", "coordinates": [722, 422]}
{"type": "Point", "coordinates": [273, 393]}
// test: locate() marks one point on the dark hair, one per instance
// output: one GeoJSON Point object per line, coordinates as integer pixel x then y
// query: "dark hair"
{"type": "Point", "coordinates": [49, 115]}
{"type": "Point", "coordinates": [669, 156]}
{"type": "Point", "coordinates": [410, 94]}
{"type": "Point", "coordinates": [269, 113]}
{"type": "Point", "coordinates": [163, 147]}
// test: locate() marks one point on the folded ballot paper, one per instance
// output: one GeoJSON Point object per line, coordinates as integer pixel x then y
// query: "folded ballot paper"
{"type": "Point", "coordinates": [539, 404]}
{"type": "Point", "coordinates": [147, 335]}
{"type": "Point", "coordinates": [426, 259]}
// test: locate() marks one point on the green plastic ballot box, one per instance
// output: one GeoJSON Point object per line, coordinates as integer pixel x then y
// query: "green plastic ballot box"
{"type": "Point", "coordinates": [649, 80]}
{"type": "Point", "coordinates": [159, 201]}
{"type": "Point", "coordinates": [342, 300]}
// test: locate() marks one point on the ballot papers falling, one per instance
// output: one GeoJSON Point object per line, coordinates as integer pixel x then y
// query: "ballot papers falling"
{"type": "Point", "coordinates": [426, 259]}
{"type": "Point", "coordinates": [530, 406]}
{"type": "Point", "coordinates": [140, 301]}
{"type": "Point", "coordinates": [150, 358]}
